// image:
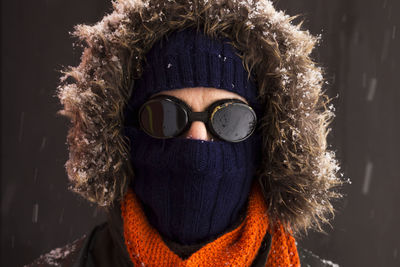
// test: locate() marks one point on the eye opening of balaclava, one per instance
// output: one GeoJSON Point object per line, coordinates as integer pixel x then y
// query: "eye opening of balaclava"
{"type": "Point", "coordinates": [192, 190]}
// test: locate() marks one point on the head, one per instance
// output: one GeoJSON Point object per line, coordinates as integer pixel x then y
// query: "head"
{"type": "Point", "coordinates": [298, 173]}
{"type": "Point", "coordinates": [193, 174]}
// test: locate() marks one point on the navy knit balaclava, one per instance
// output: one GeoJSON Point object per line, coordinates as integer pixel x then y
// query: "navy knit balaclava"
{"type": "Point", "coordinates": [192, 190]}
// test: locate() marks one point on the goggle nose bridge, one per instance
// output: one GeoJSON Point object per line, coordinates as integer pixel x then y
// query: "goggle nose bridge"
{"type": "Point", "coordinates": [198, 116]}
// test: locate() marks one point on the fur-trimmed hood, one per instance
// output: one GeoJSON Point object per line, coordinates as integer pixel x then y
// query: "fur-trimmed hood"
{"type": "Point", "coordinates": [298, 174]}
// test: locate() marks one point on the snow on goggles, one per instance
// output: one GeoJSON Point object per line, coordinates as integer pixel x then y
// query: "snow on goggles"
{"type": "Point", "coordinates": [166, 116]}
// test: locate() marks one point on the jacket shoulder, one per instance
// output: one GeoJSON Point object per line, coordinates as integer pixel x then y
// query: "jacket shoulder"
{"type": "Point", "coordinates": [63, 256]}
{"type": "Point", "coordinates": [308, 258]}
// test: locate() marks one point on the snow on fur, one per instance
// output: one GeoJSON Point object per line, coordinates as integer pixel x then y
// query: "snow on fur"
{"type": "Point", "coordinates": [299, 176]}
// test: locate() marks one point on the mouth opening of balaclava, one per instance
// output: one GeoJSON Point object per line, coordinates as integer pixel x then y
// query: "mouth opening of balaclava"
{"type": "Point", "coordinates": [192, 190]}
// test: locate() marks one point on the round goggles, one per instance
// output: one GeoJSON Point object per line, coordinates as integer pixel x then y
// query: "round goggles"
{"type": "Point", "coordinates": [166, 116]}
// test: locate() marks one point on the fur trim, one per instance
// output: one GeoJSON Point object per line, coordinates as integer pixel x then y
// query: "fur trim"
{"type": "Point", "coordinates": [298, 173]}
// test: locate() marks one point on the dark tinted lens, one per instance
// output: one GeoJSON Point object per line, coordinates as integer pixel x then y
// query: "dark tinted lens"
{"type": "Point", "coordinates": [162, 118]}
{"type": "Point", "coordinates": [233, 122]}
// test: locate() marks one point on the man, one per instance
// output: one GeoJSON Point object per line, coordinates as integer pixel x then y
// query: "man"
{"type": "Point", "coordinates": [201, 127]}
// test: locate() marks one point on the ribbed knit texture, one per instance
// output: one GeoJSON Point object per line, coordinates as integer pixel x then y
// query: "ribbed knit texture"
{"type": "Point", "coordinates": [283, 251]}
{"type": "Point", "coordinates": [236, 248]}
{"type": "Point", "coordinates": [187, 58]}
{"type": "Point", "coordinates": [192, 190]}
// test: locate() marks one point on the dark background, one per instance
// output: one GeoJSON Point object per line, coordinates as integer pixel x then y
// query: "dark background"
{"type": "Point", "coordinates": [360, 54]}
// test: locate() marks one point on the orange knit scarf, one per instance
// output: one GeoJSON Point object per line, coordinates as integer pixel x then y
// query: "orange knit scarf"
{"type": "Point", "coordinates": [236, 248]}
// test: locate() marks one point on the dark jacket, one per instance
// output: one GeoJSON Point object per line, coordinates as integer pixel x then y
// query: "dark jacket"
{"type": "Point", "coordinates": [105, 247]}
{"type": "Point", "coordinates": [298, 173]}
